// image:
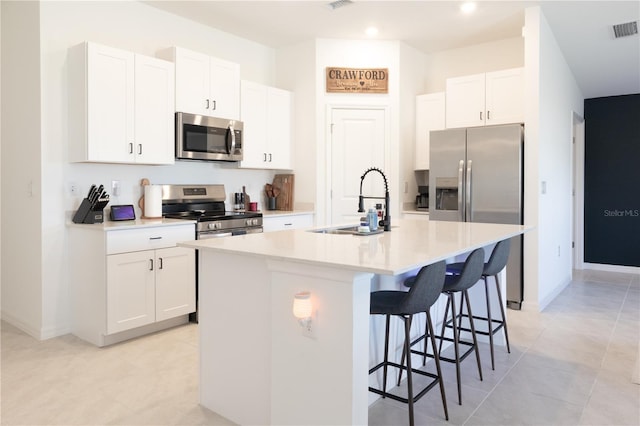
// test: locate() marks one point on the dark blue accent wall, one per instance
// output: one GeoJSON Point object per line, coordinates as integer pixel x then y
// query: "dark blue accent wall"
{"type": "Point", "coordinates": [612, 180]}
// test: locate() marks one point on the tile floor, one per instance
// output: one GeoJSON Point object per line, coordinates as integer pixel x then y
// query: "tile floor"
{"type": "Point", "coordinates": [569, 365]}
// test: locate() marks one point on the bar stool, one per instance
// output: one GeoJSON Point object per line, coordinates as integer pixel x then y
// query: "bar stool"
{"type": "Point", "coordinates": [421, 296]}
{"type": "Point", "coordinates": [460, 283]}
{"type": "Point", "coordinates": [471, 273]}
{"type": "Point", "coordinates": [497, 262]}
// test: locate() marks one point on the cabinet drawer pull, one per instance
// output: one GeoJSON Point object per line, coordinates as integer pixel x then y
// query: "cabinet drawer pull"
{"type": "Point", "coordinates": [155, 238]}
{"type": "Point", "coordinates": [288, 224]}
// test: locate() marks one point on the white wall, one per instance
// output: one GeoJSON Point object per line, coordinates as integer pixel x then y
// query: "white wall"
{"type": "Point", "coordinates": [479, 58]}
{"type": "Point", "coordinates": [295, 70]}
{"type": "Point", "coordinates": [40, 298]}
{"type": "Point", "coordinates": [357, 54]}
{"type": "Point", "coordinates": [21, 159]}
{"type": "Point", "coordinates": [413, 66]}
{"type": "Point", "coordinates": [552, 97]}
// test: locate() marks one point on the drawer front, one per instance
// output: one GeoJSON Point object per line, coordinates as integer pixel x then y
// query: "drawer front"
{"type": "Point", "coordinates": [280, 223]}
{"type": "Point", "coordinates": [123, 241]}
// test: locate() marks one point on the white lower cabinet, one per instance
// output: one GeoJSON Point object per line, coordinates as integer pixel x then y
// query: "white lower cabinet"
{"type": "Point", "coordinates": [290, 221]}
{"type": "Point", "coordinates": [129, 282]}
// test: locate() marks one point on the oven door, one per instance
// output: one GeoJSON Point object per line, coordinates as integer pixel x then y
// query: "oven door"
{"type": "Point", "coordinates": [203, 235]}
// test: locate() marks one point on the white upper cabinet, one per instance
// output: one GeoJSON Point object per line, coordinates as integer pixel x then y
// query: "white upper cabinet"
{"type": "Point", "coordinates": [121, 106]}
{"type": "Point", "coordinates": [485, 99]}
{"type": "Point", "coordinates": [430, 115]}
{"type": "Point", "coordinates": [504, 99]}
{"type": "Point", "coordinates": [154, 111]}
{"type": "Point", "coordinates": [205, 85]}
{"type": "Point", "coordinates": [266, 115]}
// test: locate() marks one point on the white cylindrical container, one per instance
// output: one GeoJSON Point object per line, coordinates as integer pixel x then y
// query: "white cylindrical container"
{"type": "Point", "coordinates": [153, 201]}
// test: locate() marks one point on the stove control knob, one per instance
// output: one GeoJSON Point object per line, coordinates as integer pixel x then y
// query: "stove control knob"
{"type": "Point", "coordinates": [248, 222]}
{"type": "Point", "coordinates": [211, 225]}
{"type": "Point", "coordinates": [254, 222]}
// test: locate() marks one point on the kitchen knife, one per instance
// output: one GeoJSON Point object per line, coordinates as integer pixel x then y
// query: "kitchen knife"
{"type": "Point", "coordinates": [91, 190]}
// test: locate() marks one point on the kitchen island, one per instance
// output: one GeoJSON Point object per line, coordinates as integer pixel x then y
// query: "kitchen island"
{"type": "Point", "coordinates": [258, 365]}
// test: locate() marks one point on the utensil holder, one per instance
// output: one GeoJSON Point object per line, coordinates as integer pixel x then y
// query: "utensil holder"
{"type": "Point", "coordinates": [271, 203]}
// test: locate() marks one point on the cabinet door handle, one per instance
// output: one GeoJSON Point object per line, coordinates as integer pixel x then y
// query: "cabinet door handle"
{"type": "Point", "coordinates": [155, 238]}
{"type": "Point", "coordinates": [207, 103]}
{"type": "Point", "coordinates": [131, 148]}
{"type": "Point", "coordinates": [160, 259]}
{"type": "Point", "coordinates": [214, 106]}
{"type": "Point", "coordinates": [480, 115]}
{"type": "Point", "coordinates": [265, 157]}
{"type": "Point", "coordinates": [269, 157]}
{"type": "Point", "coordinates": [139, 149]}
{"type": "Point", "coordinates": [488, 115]}
{"type": "Point", "coordinates": [151, 264]}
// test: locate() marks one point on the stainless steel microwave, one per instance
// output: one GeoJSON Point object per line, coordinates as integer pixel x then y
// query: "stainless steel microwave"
{"type": "Point", "coordinates": [199, 137]}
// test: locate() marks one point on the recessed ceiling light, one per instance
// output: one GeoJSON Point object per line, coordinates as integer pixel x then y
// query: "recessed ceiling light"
{"type": "Point", "coordinates": [371, 31]}
{"type": "Point", "coordinates": [468, 7]}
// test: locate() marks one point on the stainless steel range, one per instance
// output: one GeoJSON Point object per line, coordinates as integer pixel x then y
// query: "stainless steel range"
{"type": "Point", "coordinates": [205, 204]}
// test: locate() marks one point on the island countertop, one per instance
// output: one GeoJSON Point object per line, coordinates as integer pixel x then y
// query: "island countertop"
{"type": "Point", "coordinates": [409, 245]}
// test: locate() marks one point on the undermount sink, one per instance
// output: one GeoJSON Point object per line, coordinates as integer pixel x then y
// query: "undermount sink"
{"type": "Point", "coordinates": [346, 230]}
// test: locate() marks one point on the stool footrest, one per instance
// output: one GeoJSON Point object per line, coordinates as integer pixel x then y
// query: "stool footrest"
{"type": "Point", "coordinates": [499, 324]}
{"type": "Point", "coordinates": [417, 396]}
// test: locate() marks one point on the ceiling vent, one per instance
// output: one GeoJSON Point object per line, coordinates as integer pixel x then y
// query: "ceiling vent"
{"type": "Point", "coordinates": [626, 29]}
{"type": "Point", "coordinates": [339, 3]}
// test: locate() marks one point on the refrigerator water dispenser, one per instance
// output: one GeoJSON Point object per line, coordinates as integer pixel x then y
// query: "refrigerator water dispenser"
{"type": "Point", "coordinates": [447, 193]}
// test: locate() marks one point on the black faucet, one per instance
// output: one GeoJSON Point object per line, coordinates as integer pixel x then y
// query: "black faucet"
{"type": "Point", "coordinates": [386, 221]}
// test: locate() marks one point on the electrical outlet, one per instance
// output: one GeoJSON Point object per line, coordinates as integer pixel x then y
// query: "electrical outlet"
{"type": "Point", "coordinates": [308, 330]}
{"type": "Point", "coordinates": [115, 188]}
{"type": "Point", "coordinates": [73, 189]}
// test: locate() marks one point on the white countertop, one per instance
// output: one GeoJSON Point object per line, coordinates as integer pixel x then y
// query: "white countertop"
{"type": "Point", "coordinates": [410, 244]}
{"type": "Point", "coordinates": [108, 225]}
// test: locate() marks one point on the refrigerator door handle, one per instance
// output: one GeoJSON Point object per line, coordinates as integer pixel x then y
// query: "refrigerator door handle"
{"type": "Point", "coordinates": [468, 193]}
{"type": "Point", "coordinates": [461, 190]}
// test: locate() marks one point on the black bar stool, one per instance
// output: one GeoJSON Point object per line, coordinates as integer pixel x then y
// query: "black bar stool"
{"type": "Point", "coordinates": [496, 263]}
{"type": "Point", "coordinates": [460, 283]}
{"type": "Point", "coordinates": [404, 304]}
{"type": "Point", "coordinates": [471, 273]}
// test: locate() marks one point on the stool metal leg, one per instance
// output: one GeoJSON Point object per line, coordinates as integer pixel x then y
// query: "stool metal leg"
{"type": "Point", "coordinates": [386, 354]}
{"type": "Point", "coordinates": [444, 321]}
{"type": "Point", "coordinates": [473, 331]}
{"type": "Point", "coordinates": [456, 349]}
{"type": "Point", "coordinates": [486, 291]}
{"type": "Point", "coordinates": [504, 317]}
{"type": "Point", "coordinates": [436, 357]}
{"type": "Point", "coordinates": [407, 348]}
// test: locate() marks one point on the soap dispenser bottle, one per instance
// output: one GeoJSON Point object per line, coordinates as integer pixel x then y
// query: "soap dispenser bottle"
{"type": "Point", "coordinates": [373, 219]}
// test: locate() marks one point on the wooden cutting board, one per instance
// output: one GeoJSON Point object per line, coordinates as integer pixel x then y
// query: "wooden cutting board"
{"type": "Point", "coordinates": [285, 198]}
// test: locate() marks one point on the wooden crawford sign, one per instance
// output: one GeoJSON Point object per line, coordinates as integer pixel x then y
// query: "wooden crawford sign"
{"type": "Point", "coordinates": [357, 80]}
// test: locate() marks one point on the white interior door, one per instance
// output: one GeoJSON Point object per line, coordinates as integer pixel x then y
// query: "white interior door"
{"type": "Point", "coordinates": [358, 142]}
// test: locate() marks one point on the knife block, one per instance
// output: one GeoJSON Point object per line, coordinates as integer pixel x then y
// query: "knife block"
{"type": "Point", "coordinates": [87, 213]}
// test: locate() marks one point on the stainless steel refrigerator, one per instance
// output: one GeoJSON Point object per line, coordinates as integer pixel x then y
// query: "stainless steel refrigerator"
{"type": "Point", "coordinates": [476, 175]}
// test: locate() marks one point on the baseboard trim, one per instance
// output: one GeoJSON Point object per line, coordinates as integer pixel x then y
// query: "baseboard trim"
{"type": "Point", "coordinates": [612, 268]}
